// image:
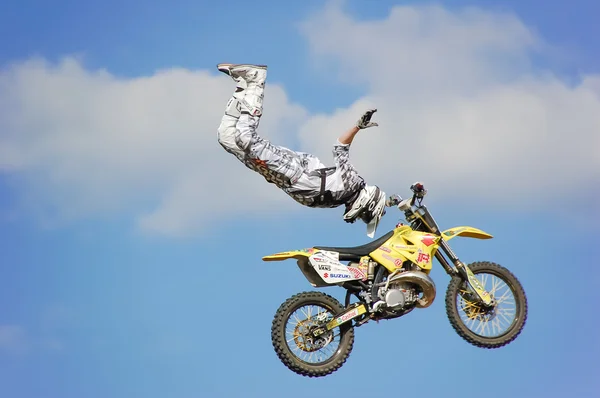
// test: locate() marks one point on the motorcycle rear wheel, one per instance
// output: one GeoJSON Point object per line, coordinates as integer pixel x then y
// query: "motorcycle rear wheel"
{"type": "Point", "coordinates": [282, 341]}
{"type": "Point", "coordinates": [458, 290]}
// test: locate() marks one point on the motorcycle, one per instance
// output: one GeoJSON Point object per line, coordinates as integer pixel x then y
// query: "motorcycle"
{"type": "Point", "coordinates": [313, 333]}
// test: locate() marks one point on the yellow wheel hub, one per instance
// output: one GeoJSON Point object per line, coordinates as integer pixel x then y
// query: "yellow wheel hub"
{"type": "Point", "coordinates": [472, 310]}
{"type": "Point", "coordinates": [300, 336]}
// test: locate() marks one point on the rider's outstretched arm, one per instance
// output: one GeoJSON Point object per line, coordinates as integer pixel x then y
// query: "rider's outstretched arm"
{"type": "Point", "coordinates": [348, 136]}
{"type": "Point", "coordinates": [363, 123]}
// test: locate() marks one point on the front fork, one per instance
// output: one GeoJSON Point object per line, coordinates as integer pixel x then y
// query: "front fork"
{"type": "Point", "coordinates": [465, 272]}
{"type": "Point", "coordinates": [473, 282]}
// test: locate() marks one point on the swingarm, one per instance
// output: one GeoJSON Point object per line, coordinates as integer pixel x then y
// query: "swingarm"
{"type": "Point", "coordinates": [345, 316]}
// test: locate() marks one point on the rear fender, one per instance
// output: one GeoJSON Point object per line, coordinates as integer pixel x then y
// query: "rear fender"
{"type": "Point", "coordinates": [306, 268]}
{"type": "Point", "coordinates": [297, 254]}
{"type": "Point", "coordinates": [321, 268]}
{"type": "Point", "coordinates": [465, 232]}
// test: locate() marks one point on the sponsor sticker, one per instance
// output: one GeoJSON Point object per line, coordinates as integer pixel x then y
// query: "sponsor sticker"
{"type": "Point", "coordinates": [388, 257]}
{"type": "Point", "coordinates": [348, 315]}
{"type": "Point", "coordinates": [427, 240]}
{"type": "Point", "coordinates": [357, 273]}
{"type": "Point", "coordinates": [342, 276]}
{"type": "Point", "coordinates": [423, 258]}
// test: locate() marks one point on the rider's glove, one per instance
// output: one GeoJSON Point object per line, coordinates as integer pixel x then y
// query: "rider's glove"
{"type": "Point", "coordinates": [393, 201]}
{"type": "Point", "coordinates": [365, 120]}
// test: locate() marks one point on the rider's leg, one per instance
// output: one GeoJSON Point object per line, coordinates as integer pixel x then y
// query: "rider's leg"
{"type": "Point", "coordinates": [227, 132]}
{"type": "Point", "coordinates": [237, 132]}
{"type": "Point", "coordinates": [237, 128]}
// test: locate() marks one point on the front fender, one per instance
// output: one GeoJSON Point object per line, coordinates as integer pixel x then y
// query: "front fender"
{"type": "Point", "coordinates": [297, 254]}
{"type": "Point", "coordinates": [465, 232]}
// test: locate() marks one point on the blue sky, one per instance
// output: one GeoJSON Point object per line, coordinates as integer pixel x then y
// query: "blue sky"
{"type": "Point", "coordinates": [143, 277]}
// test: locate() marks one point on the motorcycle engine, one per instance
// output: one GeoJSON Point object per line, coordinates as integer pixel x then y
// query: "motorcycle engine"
{"type": "Point", "coordinates": [398, 296]}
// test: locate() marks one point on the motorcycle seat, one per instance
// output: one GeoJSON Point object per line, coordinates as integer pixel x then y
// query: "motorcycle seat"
{"type": "Point", "coordinates": [354, 253]}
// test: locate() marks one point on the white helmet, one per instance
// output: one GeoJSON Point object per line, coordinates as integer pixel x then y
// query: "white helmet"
{"type": "Point", "coordinates": [369, 207]}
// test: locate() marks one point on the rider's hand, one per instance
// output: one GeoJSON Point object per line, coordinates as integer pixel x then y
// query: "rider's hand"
{"type": "Point", "coordinates": [393, 200]}
{"type": "Point", "coordinates": [365, 120]}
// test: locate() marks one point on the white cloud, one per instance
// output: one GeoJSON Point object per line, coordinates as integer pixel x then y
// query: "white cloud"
{"type": "Point", "coordinates": [461, 106]}
{"type": "Point", "coordinates": [89, 143]}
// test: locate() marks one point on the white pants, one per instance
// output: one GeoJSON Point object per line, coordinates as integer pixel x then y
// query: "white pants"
{"type": "Point", "coordinates": [237, 134]}
{"type": "Point", "coordinates": [293, 172]}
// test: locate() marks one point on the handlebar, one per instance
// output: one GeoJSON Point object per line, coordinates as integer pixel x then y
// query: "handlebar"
{"type": "Point", "coordinates": [418, 190]}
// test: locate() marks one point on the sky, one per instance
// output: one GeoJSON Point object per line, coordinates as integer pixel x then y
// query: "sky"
{"type": "Point", "coordinates": [131, 242]}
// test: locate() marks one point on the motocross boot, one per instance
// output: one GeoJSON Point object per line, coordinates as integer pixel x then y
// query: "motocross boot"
{"type": "Point", "coordinates": [246, 72]}
{"type": "Point", "coordinates": [250, 85]}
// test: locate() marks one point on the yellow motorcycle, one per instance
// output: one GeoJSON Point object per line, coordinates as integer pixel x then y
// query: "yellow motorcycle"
{"type": "Point", "coordinates": [313, 333]}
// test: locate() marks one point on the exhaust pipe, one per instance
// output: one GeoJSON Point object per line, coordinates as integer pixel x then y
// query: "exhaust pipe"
{"type": "Point", "coordinates": [422, 280]}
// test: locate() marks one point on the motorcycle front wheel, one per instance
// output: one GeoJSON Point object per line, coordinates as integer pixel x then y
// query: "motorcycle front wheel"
{"type": "Point", "coordinates": [306, 356]}
{"type": "Point", "coordinates": [487, 327]}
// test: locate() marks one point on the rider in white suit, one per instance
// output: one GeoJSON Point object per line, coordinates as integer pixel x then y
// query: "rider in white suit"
{"type": "Point", "coordinates": [301, 175]}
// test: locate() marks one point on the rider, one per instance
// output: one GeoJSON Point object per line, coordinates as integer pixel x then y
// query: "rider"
{"type": "Point", "coordinates": [301, 175]}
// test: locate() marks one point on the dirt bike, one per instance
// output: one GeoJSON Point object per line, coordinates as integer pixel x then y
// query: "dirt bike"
{"type": "Point", "coordinates": [390, 278]}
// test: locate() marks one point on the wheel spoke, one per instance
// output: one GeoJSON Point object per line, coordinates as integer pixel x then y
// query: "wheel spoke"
{"type": "Point", "coordinates": [303, 348]}
{"type": "Point", "coordinates": [485, 322]}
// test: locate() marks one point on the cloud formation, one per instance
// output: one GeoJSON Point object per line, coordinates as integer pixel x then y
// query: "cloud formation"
{"type": "Point", "coordinates": [462, 107]}
{"type": "Point", "coordinates": [85, 142]}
